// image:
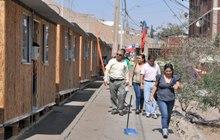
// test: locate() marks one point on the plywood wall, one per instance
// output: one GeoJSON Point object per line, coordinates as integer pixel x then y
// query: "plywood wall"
{"type": "Point", "coordinates": [67, 71]}
{"type": "Point", "coordinates": [76, 66]}
{"type": "Point", "coordinates": [46, 72]}
{"type": "Point", "coordinates": [95, 59]}
{"type": "Point", "coordinates": [18, 86]}
{"type": "Point", "coordinates": [18, 77]}
{"type": "Point", "coordinates": [94, 52]}
{"type": "Point", "coordinates": [85, 61]}
{"type": "Point", "coordinates": [88, 61]}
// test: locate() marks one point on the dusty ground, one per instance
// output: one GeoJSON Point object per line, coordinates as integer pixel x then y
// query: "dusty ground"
{"type": "Point", "coordinates": [189, 131]}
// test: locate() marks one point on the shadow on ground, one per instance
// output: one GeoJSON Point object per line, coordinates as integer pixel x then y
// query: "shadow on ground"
{"type": "Point", "coordinates": [61, 116]}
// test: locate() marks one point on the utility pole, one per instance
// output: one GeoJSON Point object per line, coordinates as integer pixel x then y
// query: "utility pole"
{"type": "Point", "coordinates": [116, 24]}
{"type": "Point", "coordinates": [215, 19]}
{"type": "Point", "coordinates": [122, 24]}
{"type": "Point", "coordinates": [121, 32]}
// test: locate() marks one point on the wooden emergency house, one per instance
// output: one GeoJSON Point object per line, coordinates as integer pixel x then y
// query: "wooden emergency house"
{"type": "Point", "coordinates": [105, 49]}
{"type": "Point", "coordinates": [93, 56]}
{"type": "Point", "coordinates": [84, 49]}
{"type": "Point", "coordinates": [69, 42]}
{"type": "Point", "coordinates": [106, 55]}
{"type": "Point", "coordinates": [28, 33]}
{"type": "Point", "coordinates": [27, 59]}
{"type": "Point", "coordinates": [42, 56]}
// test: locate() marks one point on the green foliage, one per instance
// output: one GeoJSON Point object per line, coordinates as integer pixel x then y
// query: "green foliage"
{"type": "Point", "coordinates": [203, 89]}
{"type": "Point", "coordinates": [211, 83]}
{"type": "Point", "coordinates": [217, 40]}
{"type": "Point", "coordinates": [170, 30]}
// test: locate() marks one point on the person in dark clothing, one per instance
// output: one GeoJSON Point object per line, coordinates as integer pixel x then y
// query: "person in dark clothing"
{"type": "Point", "coordinates": [165, 89]}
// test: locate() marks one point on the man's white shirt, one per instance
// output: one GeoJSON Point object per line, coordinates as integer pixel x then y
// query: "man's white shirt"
{"type": "Point", "coordinates": [150, 72]}
{"type": "Point", "coordinates": [116, 70]}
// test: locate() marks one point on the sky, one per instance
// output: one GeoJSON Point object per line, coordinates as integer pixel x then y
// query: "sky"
{"type": "Point", "coordinates": [154, 12]}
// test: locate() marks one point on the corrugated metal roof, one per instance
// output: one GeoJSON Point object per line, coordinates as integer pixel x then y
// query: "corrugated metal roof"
{"type": "Point", "coordinates": [45, 11]}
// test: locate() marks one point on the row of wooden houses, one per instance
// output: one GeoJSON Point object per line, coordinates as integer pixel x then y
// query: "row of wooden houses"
{"type": "Point", "coordinates": [42, 56]}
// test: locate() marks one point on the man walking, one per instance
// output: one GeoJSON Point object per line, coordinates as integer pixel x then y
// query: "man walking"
{"type": "Point", "coordinates": [117, 76]}
{"type": "Point", "coordinates": [148, 77]}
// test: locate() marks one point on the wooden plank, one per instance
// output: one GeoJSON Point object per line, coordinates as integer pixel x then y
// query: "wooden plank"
{"type": "Point", "coordinates": [18, 118]}
{"type": "Point", "coordinates": [2, 53]}
{"type": "Point", "coordinates": [100, 54]}
{"type": "Point", "coordinates": [91, 56]}
{"type": "Point", "coordinates": [80, 56]}
{"type": "Point", "coordinates": [77, 60]}
{"type": "Point", "coordinates": [58, 51]}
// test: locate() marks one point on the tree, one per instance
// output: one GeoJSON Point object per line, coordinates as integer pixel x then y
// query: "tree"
{"type": "Point", "coordinates": [152, 32]}
{"type": "Point", "coordinates": [201, 90]}
{"type": "Point", "coordinates": [170, 30]}
{"type": "Point", "coordinates": [217, 40]}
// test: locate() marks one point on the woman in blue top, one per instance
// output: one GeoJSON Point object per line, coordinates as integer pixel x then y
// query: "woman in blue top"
{"type": "Point", "coordinates": [164, 88]}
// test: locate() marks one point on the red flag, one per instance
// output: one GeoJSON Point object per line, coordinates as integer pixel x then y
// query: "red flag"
{"type": "Point", "coordinates": [143, 38]}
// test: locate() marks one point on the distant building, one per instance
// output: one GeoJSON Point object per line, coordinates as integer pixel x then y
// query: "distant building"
{"type": "Point", "coordinates": [99, 27]}
{"type": "Point", "coordinates": [208, 25]}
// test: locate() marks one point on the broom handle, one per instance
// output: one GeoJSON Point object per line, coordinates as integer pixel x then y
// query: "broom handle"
{"type": "Point", "coordinates": [129, 107]}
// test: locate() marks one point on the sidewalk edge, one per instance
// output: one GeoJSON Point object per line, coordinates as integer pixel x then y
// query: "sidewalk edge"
{"type": "Point", "coordinates": [68, 130]}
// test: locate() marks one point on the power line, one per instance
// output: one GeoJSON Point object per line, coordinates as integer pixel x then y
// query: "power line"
{"type": "Point", "coordinates": [180, 4]}
{"type": "Point", "coordinates": [192, 12]}
{"type": "Point", "coordinates": [174, 13]}
{"type": "Point", "coordinates": [157, 11]}
{"type": "Point", "coordinates": [133, 20]}
{"type": "Point", "coordinates": [127, 14]}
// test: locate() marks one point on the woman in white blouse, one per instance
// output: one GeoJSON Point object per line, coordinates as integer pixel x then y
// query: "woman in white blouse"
{"type": "Point", "coordinates": [136, 82]}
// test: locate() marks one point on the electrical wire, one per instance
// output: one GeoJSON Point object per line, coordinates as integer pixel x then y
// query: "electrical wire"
{"type": "Point", "coordinates": [126, 14]}
{"type": "Point", "coordinates": [192, 12]}
{"type": "Point", "coordinates": [174, 13]}
{"type": "Point", "coordinates": [133, 20]}
{"type": "Point", "coordinates": [177, 2]}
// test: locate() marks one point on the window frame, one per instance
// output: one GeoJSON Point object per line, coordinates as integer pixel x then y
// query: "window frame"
{"type": "Point", "coordinates": [45, 52]}
{"type": "Point", "coordinates": [73, 47]}
{"type": "Point", "coordinates": [69, 46]}
{"type": "Point", "coordinates": [26, 49]}
{"type": "Point", "coordinates": [86, 50]}
{"type": "Point", "coordinates": [66, 45]}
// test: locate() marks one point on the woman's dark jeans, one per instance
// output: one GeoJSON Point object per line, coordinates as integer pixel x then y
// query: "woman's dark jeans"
{"type": "Point", "coordinates": [139, 95]}
{"type": "Point", "coordinates": [166, 108]}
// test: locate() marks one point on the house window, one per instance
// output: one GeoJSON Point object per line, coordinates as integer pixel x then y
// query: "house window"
{"type": "Point", "coordinates": [72, 46]}
{"type": "Point", "coordinates": [66, 49]}
{"type": "Point", "coordinates": [45, 44]}
{"type": "Point", "coordinates": [86, 51]}
{"type": "Point", "coordinates": [94, 51]}
{"type": "Point", "coordinates": [26, 39]}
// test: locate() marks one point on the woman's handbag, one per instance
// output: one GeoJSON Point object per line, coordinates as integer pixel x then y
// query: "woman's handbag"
{"type": "Point", "coordinates": [155, 94]}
